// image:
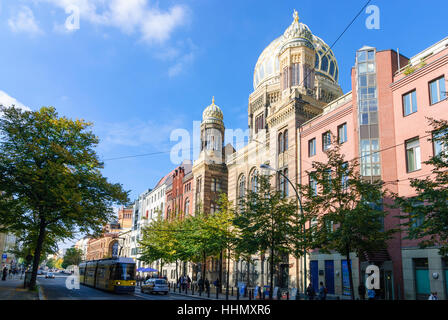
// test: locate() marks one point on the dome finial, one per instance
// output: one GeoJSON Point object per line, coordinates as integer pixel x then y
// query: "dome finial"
{"type": "Point", "coordinates": [213, 100]}
{"type": "Point", "coordinates": [295, 16]}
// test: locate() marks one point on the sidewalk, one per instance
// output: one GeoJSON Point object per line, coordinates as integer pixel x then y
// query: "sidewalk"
{"type": "Point", "coordinates": [12, 289]}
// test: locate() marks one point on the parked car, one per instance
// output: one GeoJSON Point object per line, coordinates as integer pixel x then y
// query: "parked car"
{"type": "Point", "coordinates": [49, 275]}
{"type": "Point", "coordinates": [40, 272]}
{"type": "Point", "coordinates": [155, 285]}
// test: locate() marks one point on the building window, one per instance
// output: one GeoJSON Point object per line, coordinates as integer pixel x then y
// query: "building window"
{"type": "Point", "coordinates": [259, 123]}
{"type": "Point", "coordinates": [312, 147]}
{"type": "Point", "coordinates": [295, 77]}
{"type": "Point", "coordinates": [242, 187]}
{"type": "Point", "coordinates": [285, 137]}
{"type": "Point", "coordinates": [413, 162]}
{"type": "Point", "coordinates": [285, 78]}
{"type": "Point", "coordinates": [254, 181]}
{"type": "Point", "coordinates": [342, 133]}
{"type": "Point", "coordinates": [437, 90]}
{"type": "Point", "coordinates": [410, 103]}
{"type": "Point", "coordinates": [326, 140]}
{"type": "Point", "coordinates": [344, 176]}
{"type": "Point", "coordinates": [280, 143]}
{"type": "Point", "coordinates": [282, 182]}
{"type": "Point", "coordinates": [187, 206]}
{"type": "Point", "coordinates": [313, 184]}
{"type": "Point", "coordinates": [439, 143]}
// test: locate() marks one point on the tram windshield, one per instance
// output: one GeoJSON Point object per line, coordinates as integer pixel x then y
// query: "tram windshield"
{"type": "Point", "coordinates": [124, 271]}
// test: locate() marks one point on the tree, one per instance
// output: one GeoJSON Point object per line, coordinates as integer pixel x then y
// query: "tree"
{"type": "Point", "coordinates": [345, 210]}
{"type": "Point", "coordinates": [265, 222]}
{"type": "Point", "coordinates": [427, 218]}
{"type": "Point", "coordinates": [50, 178]}
{"type": "Point", "coordinates": [72, 257]}
{"type": "Point", "coordinates": [51, 263]}
{"type": "Point", "coordinates": [159, 242]}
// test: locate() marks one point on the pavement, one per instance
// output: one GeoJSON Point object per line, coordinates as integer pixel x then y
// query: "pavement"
{"type": "Point", "coordinates": [12, 289]}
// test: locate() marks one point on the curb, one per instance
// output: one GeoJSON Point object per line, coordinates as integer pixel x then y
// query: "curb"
{"type": "Point", "coordinates": [40, 293]}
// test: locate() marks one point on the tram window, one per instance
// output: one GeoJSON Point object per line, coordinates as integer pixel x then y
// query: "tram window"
{"type": "Point", "coordinates": [125, 271]}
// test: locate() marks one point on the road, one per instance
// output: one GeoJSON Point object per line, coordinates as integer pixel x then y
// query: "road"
{"type": "Point", "coordinates": [55, 289]}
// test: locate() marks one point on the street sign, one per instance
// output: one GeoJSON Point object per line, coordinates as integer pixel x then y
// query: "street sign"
{"type": "Point", "coordinates": [4, 256]}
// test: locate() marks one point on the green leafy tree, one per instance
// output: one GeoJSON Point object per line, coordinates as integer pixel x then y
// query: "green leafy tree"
{"type": "Point", "coordinates": [265, 222]}
{"type": "Point", "coordinates": [427, 218]}
{"type": "Point", "coordinates": [51, 263]}
{"type": "Point", "coordinates": [51, 180]}
{"type": "Point", "coordinates": [345, 210]}
{"type": "Point", "coordinates": [72, 257]}
{"type": "Point", "coordinates": [159, 242]}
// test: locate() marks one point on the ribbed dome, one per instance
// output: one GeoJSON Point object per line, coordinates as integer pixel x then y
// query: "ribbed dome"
{"type": "Point", "coordinates": [212, 113]}
{"type": "Point", "coordinates": [267, 69]}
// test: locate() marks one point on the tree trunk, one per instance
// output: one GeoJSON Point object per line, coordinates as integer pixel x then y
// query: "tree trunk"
{"type": "Point", "coordinates": [37, 253]}
{"type": "Point", "coordinates": [228, 270]}
{"type": "Point", "coordinates": [177, 272]}
{"type": "Point", "coordinates": [350, 276]}
{"type": "Point", "coordinates": [262, 258]}
{"type": "Point", "coordinates": [204, 266]}
{"type": "Point", "coordinates": [220, 271]}
{"type": "Point", "coordinates": [248, 273]}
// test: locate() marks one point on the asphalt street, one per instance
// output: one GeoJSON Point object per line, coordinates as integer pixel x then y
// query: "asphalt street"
{"type": "Point", "coordinates": [55, 289]}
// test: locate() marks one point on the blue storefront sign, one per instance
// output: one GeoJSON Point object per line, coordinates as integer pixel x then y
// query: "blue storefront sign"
{"type": "Point", "coordinates": [4, 256]}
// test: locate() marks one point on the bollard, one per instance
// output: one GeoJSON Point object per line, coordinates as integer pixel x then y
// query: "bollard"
{"type": "Point", "coordinates": [237, 294]}
{"type": "Point", "coordinates": [287, 295]}
{"type": "Point", "coordinates": [232, 292]}
{"type": "Point", "coordinates": [217, 294]}
{"type": "Point", "coordinates": [250, 294]}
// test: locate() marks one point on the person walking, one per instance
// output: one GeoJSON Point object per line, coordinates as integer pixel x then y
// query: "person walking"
{"type": "Point", "coordinates": [310, 292]}
{"type": "Point", "coordinates": [362, 291]}
{"type": "Point", "coordinates": [322, 292]}
{"type": "Point", "coordinates": [5, 273]}
{"type": "Point", "coordinates": [188, 281]}
{"type": "Point", "coordinates": [207, 285]}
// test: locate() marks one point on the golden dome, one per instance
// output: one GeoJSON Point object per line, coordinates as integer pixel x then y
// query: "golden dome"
{"type": "Point", "coordinates": [267, 69]}
{"type": "Point", "coordinates": [212, 113]}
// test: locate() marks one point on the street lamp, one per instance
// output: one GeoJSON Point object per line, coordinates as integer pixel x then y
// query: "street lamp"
{"type": "Point", "coordinates": [267, 167]}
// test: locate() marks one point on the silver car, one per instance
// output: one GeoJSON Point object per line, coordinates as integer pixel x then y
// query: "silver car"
{"type": "Point", "coordinates": [155, 285]}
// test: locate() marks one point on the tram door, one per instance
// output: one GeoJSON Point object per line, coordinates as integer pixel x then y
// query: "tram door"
{"type": "Point", "coordinates": [314, 271]}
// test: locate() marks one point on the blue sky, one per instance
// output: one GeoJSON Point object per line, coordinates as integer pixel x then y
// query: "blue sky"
{"type": "Point", "coordinates": [139, 69]}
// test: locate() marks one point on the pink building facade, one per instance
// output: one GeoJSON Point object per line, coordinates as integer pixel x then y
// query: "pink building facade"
{"type": "Point", "coordinates": [383, 122]}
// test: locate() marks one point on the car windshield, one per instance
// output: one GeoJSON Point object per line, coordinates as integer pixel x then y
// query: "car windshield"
{"type": "Point", "coordinates": [160, 281]}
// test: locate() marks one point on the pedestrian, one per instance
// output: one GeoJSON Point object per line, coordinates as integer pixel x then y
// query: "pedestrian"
{"type": "Point", "coordinates": [207, 285]}
{"type": "Point", "coordinates": [188, 281]}
{"type": "Point", "coordinates": [362, 291]}
{"type": "Point", "coordinates": [433, 296]}
{"type": "Point", "coordinates": [310, 292]}
{"type": "Point", "coordinates": [10, 273]}
{"type": "Point", "coordinates": [217, 284]}
{"type": "Point", "coordinates": [5, 273]}
{"type": "Point", "coordinates": [201, 285]}
{"type": "Point", "coordinates": [322, 292]}
{"type": "Point", "coordinates": [371, 294]}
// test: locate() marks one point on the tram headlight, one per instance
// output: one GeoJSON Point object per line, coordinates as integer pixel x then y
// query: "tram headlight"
{"type": "Point", "coordinates": [118, 282]}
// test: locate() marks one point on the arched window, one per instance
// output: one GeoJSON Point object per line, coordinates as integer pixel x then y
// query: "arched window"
{"type": "Point", "coordinates": [324, 66]}
{"type": "Point", "coordinates": [242, 187]}
{"type": "Point", "coordinates": [254, 181]}
{"type": "Point", "coordinates": [285, 145]}
{"type": "Point", "coordinates": [280, 143]}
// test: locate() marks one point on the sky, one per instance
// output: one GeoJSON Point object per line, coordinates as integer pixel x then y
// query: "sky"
{"type": "Point", "coordinates": [139, 69]}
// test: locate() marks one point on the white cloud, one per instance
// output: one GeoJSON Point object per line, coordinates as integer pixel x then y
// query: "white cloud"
{"type": "Point", "coordinates": [24, 21]}
{"type": "Point", "coordinates": [130, 16]}
{"type": "Point", "coordinates": [7, 101]}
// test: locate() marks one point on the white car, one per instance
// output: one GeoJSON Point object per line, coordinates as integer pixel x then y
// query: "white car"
{"type": "Point", "coordinates": [49, 275]}
{"type": "Point", "coordinates": [155, 285]}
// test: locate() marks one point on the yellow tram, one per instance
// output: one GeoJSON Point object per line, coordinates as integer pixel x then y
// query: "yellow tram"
{"type": "Point", "coordinates": [114, 274]}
